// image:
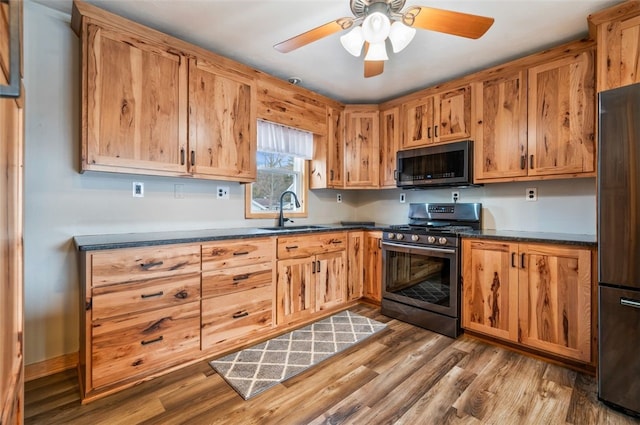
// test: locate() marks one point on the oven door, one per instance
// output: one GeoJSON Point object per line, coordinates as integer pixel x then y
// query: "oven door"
{"type": "Point", "coordinates": [423, 277]}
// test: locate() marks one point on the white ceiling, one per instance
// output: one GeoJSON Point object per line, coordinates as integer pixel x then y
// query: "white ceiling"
{"type": "Point", "coordinates": [246, 31]}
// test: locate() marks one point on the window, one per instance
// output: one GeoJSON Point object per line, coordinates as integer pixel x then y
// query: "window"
{"type": "Point", "coordinates": [282, 165]}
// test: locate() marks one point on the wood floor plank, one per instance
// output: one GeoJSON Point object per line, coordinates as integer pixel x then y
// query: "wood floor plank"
{"type": "Point", "coordinates": [404, 374]}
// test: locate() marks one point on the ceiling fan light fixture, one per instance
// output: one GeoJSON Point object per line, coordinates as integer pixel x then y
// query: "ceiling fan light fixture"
{"type": "Point", "coordinates": [400, 36]}
{"type": "Point", "coordinates": [377, 52]}
{"type": "Point", "coordinates": [353, 41]}
{"type": "Point", "coordinates": [376, 27]}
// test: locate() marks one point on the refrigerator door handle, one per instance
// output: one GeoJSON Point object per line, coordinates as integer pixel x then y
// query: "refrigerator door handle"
{"type": "Point", "coordinates": [628, 302]}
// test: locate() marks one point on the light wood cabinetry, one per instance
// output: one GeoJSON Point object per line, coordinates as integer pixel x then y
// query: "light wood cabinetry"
{"type": "Point", "coordinates": [11, 235]}
{"type": "Point", "coordinates": [222, 123]}
{"type": "Point", "coordinates": [500, 145]}
{"type": "Point", "coordinates": [311, 275]}
{"type": "Point", "coordinates": [335, 148]}
{"type": "Point", "coordinates": [537, 122]}
{"type": "Point", "coordinates": [616, 31]}
{"type": "Point", "coordinates": [149, 106]}
{"type": "Point", "coordinates": [437, 118]}
{"type": "Point", "coordinates": [355, 265]}
{"type": "Point", "coordinates": [373, 266]}
{"type": "Point", "coordinates": [141, 313]}
{"type": "Point", "coordinates": [389, 145]}
{"type": "Point", "coordinates": [237, 291]}
{"type": "Point", "coordinates": [536, 295]}
{"type": "Point", "coordinates": [561, 125]}
{"type": "Point", "coordinates": [361, 146]}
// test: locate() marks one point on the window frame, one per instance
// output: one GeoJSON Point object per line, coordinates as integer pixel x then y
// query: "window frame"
{"type": "Point", "coordinates": [302, 198]}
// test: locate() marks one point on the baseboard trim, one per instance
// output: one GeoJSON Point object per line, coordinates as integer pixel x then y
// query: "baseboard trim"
{"type": "Point", "coordinates": [50, 366]}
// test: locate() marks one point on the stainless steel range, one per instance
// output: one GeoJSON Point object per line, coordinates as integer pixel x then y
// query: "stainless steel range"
{"type": "Point", "coordinates": [421, 265]}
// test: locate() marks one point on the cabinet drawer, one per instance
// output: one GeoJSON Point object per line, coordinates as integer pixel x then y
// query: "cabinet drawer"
{"type": "Point", "coordinates": [144, 342]}
{"type": "Point", "coordinates": [127, 265]}
{"type": "Point", "coordinates": [236, 279]}
{"type": "Point", "coordinates": [237, 253]}
{"type": "Point", "coordinates": [114, 300]}
{"type": "Point", "coordinates": [305, 245]}
{"type": "Point", "coordinates": [233, 316]}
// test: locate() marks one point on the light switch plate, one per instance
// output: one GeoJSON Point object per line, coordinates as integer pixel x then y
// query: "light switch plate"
{"type": "Point", "coordinates": [138, 190]}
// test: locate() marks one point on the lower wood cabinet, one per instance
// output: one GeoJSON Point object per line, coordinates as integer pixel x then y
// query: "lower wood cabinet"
{"type": "Point", "coordinates": [536, 295]}
{"type": "Point", "coordinates": [373, 266]}
{"type": "Point", "coordinates": [311, 275]}
{"type": "Point", "coordinates": [355, 265]}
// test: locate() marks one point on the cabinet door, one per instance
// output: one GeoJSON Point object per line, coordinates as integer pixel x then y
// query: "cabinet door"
{"type": "Point", "coordinates": [562, 116]}
{"type": "Point", "coordinates": [418, 122]}
{"type": "Point", "coordinates": [136, 106]}
{"type": "Point", "coordinates": [373, 267]}
{"type": "Point", "coordinates": [355, 265]}
{"type": "Point", "coordinates": [331, 280]}
{"type": "Point", "coordinates": [295, 292]}
{"type": "Point", "coordinates": [389, 145]}
{"type": "Point", "coordinates": [222, 123]}
{"type": "Point", "coordinates": [452, 118]}
{"type": "Point", "coordinates": [361, 148]}
{"type": "Point", "coordinates": [500, 145]}
{"type": "Point", "coordinates": [619, 43]}
{"type": "Point", "coordinates": [490, 291]}
{"type": "Point", "coordinates": [335, 151]}
{"type": "Point", "coordinates": [555, 300]}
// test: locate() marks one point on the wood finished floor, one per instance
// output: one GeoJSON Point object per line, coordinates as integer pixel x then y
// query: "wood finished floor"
{"type": "Point", "coordinates": [403, 375]}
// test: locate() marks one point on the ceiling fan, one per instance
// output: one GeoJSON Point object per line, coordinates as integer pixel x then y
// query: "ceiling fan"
{"type": "Point", "coordinates": [377, 20]}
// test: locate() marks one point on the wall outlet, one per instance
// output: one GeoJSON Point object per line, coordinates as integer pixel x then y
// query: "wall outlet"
{"type": "Point", "coordinates": [178, 191]}
{"type": "Point", "coordinates": [531, 194]}
{"type": "Point", "coordinates": [455, 196]}
{"type": "Point", "coordinates": [223, 192]}
{"type": "Point", "coordinates": [339, 198]}
{"type": "Point", "coordinates": [403, 198]}
{"type": "Point", "coordinates": [138, 190]}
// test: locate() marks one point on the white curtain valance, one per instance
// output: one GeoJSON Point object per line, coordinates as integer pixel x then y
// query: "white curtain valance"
{"type": "Point", "coordinates": [278, 138]}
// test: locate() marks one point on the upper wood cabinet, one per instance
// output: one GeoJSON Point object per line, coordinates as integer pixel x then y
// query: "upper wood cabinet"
{"type": "Point", "coordinates": [537, 122]}
{"type": "Point", "coordinates": [335, 147]}
{"type": "Point", "coordinates": [500, 145]}
{"type": "Point", "coordinates": [617, 31]}
{"type": "Point", "coordinates": [437, 118]}
{"type": "Point", "coordinates": [152, 107]}
{"type": "Point", "coordinates": [222, 123]}
{"type": "Point", "coordinates": [134, 105]}
{"type": "Point", "coordinates": [561, 126]}
{"type": "Point", "coordinates": [361, 145]}
{"type": "Point", "coordinates": [389, 146]}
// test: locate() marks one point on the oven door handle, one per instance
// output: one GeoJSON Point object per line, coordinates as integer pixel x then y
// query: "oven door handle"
{"type": "Point", "coordinates": [420, 248]}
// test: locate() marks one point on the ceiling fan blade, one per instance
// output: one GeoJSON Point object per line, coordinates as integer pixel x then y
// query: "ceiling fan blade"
{"type": "Point", "coordinates": [314, 35]}
{"type": "Point", "coordinates": [447, 21]}
{"type": "Point", "coordinates": [372, 68]}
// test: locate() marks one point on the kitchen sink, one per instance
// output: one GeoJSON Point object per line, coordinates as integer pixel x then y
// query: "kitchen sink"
{"type": "Point", "coordinates": [292, 228]}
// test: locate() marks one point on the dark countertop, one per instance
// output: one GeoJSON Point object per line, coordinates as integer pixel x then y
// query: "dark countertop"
{"type": "Point", "coordinates": [132, 240]}
{"type": "Point", "coordinates": [518, 236]}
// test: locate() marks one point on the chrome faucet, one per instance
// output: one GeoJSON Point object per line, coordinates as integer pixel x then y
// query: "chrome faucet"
{"type": "Point", "coordinates": [281, 218]}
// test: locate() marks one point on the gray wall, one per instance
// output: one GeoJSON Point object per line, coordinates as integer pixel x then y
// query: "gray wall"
{"type": "Point", "coordinates": [61, 203]}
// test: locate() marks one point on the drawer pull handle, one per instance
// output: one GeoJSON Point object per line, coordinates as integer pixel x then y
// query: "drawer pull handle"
{"type": "Point", "coordinates": [241, 277]}
{"type": "Point", "coordinates": [336, 241]}
{"type": "Point", "coordinates": [241, 253]}
{"type": "Point", "coordinates": [150, 265]}
{"type": "Point", "coordinates": [151, 341]}
{"type": "Point", "coordinates": [157, 294]}
{"type": "Point", "coordinates": [240, 314]}
{"type": "Point", "coordinates": [292, 247]}
{"type": "Point", "coordinates": [182, 295]}
{"type": "Point", "coordinates": [628, 302]}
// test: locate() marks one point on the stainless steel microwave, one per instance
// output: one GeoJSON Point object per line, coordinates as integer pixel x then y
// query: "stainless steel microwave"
{"type": "Point", "coordinates": [436, 166]}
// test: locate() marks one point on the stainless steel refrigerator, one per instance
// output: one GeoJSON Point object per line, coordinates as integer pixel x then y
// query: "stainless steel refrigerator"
{"type": "Point", "coordinates": [619, 248]}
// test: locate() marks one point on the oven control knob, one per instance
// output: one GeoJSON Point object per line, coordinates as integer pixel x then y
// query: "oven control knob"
{"type": "Point", "coordinates": [391, 235]}
{"type": "Point", "coordinates": [399, 236]}
{"type": "Point", "coordinates": [442, 241]}
{"type": "Point", "coordinates": [415, 238]}
{"type": "Point", "coordinates": [431, 239]}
